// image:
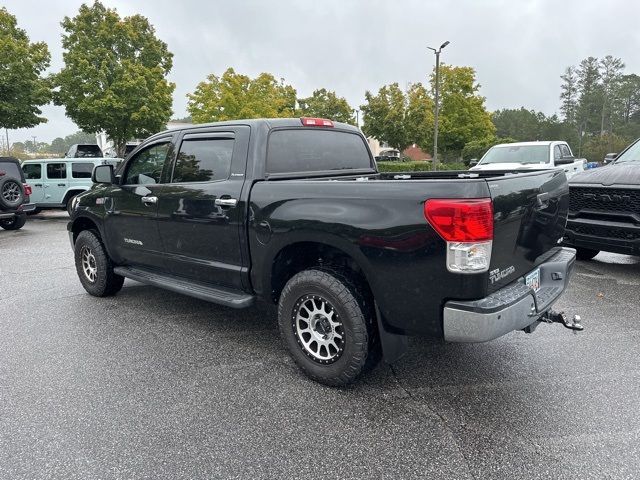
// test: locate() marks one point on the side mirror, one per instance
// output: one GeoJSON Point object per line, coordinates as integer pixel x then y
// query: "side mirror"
{"type": "Point", "coordinates": [473, 162]}
{"type": "Point", "coordinates": [609, 157]}
{"type": "Point", "coordinates": [103, 174]}
{"type": "Point", "coordinates": [565, 160]}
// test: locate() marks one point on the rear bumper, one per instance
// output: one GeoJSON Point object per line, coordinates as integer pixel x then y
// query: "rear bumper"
{"type": "Point", "coordinates": [514, 307]}
{"type": "Point", "coordinates": [24, 208]}
{"type": "Point", "coordinates": [610, 236]}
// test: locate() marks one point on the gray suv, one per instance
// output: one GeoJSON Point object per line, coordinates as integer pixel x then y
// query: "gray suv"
{"type": "Point", "coordinates": [14, 195]}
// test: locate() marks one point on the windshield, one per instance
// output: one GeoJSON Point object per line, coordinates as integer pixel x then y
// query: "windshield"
{"type": "Point", "coordinates": [631, 155]}
{"type": "Point", "coordinates": [517, 154]}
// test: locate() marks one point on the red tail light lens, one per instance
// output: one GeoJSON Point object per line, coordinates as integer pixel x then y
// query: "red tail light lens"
{"type": "Point", "coordinates": [316, 122]}
{"type": "Point", "coordinates": [461, 220]}
{"type": "Point", "coordinates": [27, 189]}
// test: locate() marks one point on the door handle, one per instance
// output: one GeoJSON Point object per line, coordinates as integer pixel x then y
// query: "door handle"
{"type": "Point", "coordinates": [149, 200]}
{"type": "Point", "coordinates": [62, 184]}
{"type": "Point", "coordinates": [226, 202]}
{"type": "Point", "coordinates": [37, 184]}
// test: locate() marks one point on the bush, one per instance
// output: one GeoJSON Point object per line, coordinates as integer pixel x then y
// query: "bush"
{"type": "Point", "coordinates": [418, 166]}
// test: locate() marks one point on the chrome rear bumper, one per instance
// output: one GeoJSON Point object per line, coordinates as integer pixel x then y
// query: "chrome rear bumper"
{"type": "Point", "coordinates": [514, 307]}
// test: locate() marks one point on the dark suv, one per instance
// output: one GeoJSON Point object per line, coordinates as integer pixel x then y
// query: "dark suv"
{"type": "Point", "coordinates": [14, 195]}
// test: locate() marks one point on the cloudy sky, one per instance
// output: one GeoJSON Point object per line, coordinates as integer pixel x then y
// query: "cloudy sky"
{"type": "Point", "coordinates": [518, 48]}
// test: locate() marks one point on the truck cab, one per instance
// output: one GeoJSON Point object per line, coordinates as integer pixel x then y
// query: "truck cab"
{"type": "Point", "coordinates": [531, 156]}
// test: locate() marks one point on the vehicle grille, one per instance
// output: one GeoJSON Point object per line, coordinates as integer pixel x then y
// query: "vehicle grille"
{"type": "Point", "coordinates": [606, 232]}
{"type": "Point", "coordinates": [604, 199]}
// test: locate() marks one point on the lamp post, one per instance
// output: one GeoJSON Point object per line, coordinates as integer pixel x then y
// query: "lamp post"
{"type": "Point", "coordinates": [437, 107]}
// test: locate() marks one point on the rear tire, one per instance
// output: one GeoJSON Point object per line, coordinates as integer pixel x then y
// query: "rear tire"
{"type": "Point", "coordinates": [11, 193]}
{"type": "Point", "coordinates": [94, 267]}
{"type": "Point", "coordinates": [16, 223]}
{"type": "Point", "coordinates": [327, 326]}
{"type": "Point", "coordinates": [586, 253]}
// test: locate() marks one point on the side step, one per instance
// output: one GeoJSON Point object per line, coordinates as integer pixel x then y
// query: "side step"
{"type": "Point", "coordinates": [223, 296]}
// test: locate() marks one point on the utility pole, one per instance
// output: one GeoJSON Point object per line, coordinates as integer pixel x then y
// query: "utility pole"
{"type": "Point", "coordinates": [357, 117]}
{"type": "Point", "coordinates": [6, 131]}
{"type": "Point", "coordinates": [437, 106]}
{"type": "Point", "coordinates": [35, 145]}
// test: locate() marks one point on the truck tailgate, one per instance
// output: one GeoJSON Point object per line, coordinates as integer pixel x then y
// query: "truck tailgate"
{"type": "Point", "coordinates": [530, 214]}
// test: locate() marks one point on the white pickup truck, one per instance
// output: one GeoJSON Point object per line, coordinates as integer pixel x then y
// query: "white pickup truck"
{"type": "Point", "coordinates": [531, 156]}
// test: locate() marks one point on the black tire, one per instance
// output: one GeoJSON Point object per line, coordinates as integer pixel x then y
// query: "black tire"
{"type": "Point", "coordinates": [15, 223]}
{"type": "Point", "coordinates": [586, 253]}
{"type": "Point", "coordinates": [96, 273]}
{"type": "Point", "coordinates": [11, 193]}
{"type": "Point", "coordinates": [353, 350]}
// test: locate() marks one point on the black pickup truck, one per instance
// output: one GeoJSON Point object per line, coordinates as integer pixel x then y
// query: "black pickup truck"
{"type": "Point", "coordinates": [294, 211]}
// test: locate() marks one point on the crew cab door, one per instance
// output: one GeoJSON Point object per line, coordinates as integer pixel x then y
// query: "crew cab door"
{"type": "Point", "coordinates": [530, 214]}
{"type": "Point", "coordinates": [131, 223]}
{"type": "Point", "coordinates": [55, 182]}
{"type": "Point", "coordinates": [33, 176]}
{"type": "Point", "coordinates": [200, 215]}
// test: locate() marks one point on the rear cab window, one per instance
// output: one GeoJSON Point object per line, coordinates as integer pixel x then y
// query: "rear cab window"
{"type": "Point", "coordinates": [203, 159]}
{"type": "Point", "coordinates": [32, 171]}
{"type": "Point", "coordinates": [81, 170]}
{"type": "Point", "coordinates": [302, 150]}
{"type": "Point", "coordinates": [56, 170]}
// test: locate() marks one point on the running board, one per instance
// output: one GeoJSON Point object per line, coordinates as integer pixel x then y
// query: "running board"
{"type": "Point", "coordinates": [220, 295]}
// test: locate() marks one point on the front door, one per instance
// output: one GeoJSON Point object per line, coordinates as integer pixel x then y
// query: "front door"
{"type": "Point", "coordinates": [55, 183]}
{"type": "Point", "coordinates": [199, 213]}
{"type": "Point", "coordinates": [33, 176]}
{"type": "Point", "coordinates": [131, 224]}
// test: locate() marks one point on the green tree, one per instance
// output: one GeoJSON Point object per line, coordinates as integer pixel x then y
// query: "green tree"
{"type": "Point", "coordinates": [58, 146]}
{"type": "Point", "coordinates": [22, 86]}
{"type": "Point", "coordinates": [521, 124]}
{"type": "Point", "coordinates": [598, 146]}
{"type": "Point", "coordinates": [569, 94]}
{"type": "Point", "coordinates": [463, 116]}
{"type": "Point", "coordinates": [397, 118]}
{"type": "Point", "coordinates": [611, 74]}
{"type": "Point", "coordinates": [233, 96]}
{"type": "Point", "coordinates": [114, 77]}
{"type": "Point", "coordinates": [590, 96]}
{"type": "Point", "coordinates": [326, 104]}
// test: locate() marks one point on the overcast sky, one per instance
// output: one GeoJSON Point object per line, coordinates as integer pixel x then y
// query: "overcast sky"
{"type": "Point", "coordinates": [519, 49]}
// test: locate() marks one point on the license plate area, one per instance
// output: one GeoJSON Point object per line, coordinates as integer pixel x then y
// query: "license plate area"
{"type": "Point", "coordinates": [533, 280]}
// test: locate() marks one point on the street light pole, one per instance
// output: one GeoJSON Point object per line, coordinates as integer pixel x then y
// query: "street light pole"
{"type": "Point", "coordinates": [437, 106]}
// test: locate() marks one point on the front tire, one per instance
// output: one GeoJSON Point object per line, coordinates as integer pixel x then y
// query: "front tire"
{"type": "Point", "coordinates": [15, 223]}
{"type": "Point", "coordinates": [327, 326]}
{"type": "Point", "coordinates": [586, 253]}
{"type": "Point", "coordinates": [94, 267]}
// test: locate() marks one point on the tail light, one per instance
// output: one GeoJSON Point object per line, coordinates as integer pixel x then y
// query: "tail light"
{"type": "Point", "coordinates": [467, 227]}
{"type": "Point", "coordinates": [27, 189]}
{"type": "Point", "coordinates": [316, 122]}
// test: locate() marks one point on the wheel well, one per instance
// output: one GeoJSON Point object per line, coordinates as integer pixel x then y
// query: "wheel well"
{"type": "Point", "coordinates": [297, 257]}
{"type": "Point", "coordinates": [82, 224]}
{"type": "Point", "coordinates": [71, 193]}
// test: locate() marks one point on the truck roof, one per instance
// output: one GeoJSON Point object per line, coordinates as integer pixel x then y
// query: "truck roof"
{"type": "Point", "coordinates": [255, 122]}
{"type": "Point", "coordinates": [546, 143]}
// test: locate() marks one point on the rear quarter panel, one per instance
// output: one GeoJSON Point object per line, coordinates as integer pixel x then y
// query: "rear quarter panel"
{"type": "Point", "coordinates": [381, 225]}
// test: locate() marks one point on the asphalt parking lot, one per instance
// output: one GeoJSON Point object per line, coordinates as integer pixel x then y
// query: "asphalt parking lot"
{"type": "Point", "coordinates": [151, 384]}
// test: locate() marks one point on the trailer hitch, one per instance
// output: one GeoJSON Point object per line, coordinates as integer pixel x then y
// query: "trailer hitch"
{"type": "Point", "coordinates": [560, 317]}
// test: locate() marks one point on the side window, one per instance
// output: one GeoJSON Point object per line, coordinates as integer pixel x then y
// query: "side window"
{"type": "Point", "coordinates": [81, 170]}
{"type": "Point", "coordinates": [556, 152]}
{"type": "Point", "coordinates": [32, 171]}
{"type": "Point", "coordinates": [56, 170]}
{"type": "Point", "coordinates": [565, 151]}
{"type": "Point", "coordinates": [146, 167]}
{"type": "Point", "coordinates": [203, 160]}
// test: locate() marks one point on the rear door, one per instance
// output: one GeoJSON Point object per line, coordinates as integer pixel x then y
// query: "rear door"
{"type": "Point", "coordinates": [200, 215]}
{"type": "Point", "coordinates": [33, 173]}
{"type": "Point", "coordinates": [131, 223]}
{"type": "Point", "coordinates": [530, 214]}
{"type": "Point", "coordinates": [55, 182]}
